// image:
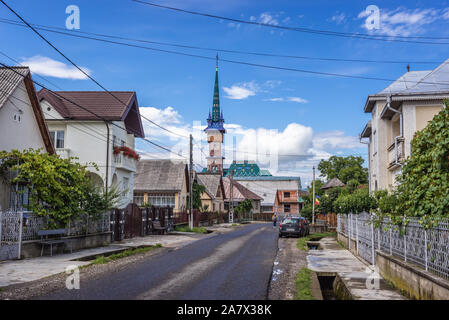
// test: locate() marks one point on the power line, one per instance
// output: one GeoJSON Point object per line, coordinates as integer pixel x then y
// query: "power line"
{"type": "Point", "coordinates": [364, 36]}
{"type": "Point", "coordinates": [252, 64]}
{"type": "Point", "coordinates": [264, 54]}
{"type": "Point", "coordinates": [75, 65]}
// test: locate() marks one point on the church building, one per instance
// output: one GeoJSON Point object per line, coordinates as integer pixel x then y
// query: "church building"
{"type": "Point", "coordinates": [215, 132]}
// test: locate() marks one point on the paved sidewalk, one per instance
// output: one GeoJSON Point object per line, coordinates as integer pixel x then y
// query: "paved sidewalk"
{"type": "Point", "coordinates": [333, 259]}
{"type": "Point", "coordinates": [20, 271]}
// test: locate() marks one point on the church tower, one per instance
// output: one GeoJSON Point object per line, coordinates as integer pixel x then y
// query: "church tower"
{"type": "Point", "coordinates": [215, 132]}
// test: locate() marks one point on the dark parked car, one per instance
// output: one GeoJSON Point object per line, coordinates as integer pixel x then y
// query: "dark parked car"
{"type": "Point", "coordinates": [293, 226]}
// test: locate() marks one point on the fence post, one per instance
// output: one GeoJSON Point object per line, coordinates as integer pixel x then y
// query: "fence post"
{"type": "Point", "coordinates": [373, 258]}
{"type": "Point", "coordinates": [349, 231]}
{"type": "Point", "coordinates": [405, 244]}
{"type": "Point", "coordinates": [391, 244]}
{"type": "Point", "coordinates": [378, 236]}
{"type": "Point", "coordinates": [20, 235]}
{"type": "Point", "coordinates": [1, 220]}
{"type": "Point", "coordinates": [357, 234]}
{"type": "Point", "coordinates": [425, 248]}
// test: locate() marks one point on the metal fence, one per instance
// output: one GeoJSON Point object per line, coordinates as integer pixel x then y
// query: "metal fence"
{"type": "Point", "coordinates": [428, 249]}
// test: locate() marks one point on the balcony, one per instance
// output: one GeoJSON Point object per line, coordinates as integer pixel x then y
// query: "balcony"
{"type": "Point", "coordinates": [396, 154]}
{"type": "Point", "coordinates": [125, 158]}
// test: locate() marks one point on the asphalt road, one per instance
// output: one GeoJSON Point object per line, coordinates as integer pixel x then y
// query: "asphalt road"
{"type": "Point", "coordinates": [235, 265]}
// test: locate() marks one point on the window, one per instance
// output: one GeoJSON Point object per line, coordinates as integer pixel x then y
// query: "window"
{"type": "Point", "coordinates": [286, 194]}
{"type": "Point", "coordinates": [138, 199]}
{"type": "Point", "coordinates": [162, 200]}
{"type": "Point", "coordinates": [57, 137]}
{"type": "Point", "coordinates": [286, 208]}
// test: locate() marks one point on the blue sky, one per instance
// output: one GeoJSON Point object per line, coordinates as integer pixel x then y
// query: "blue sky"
{"type": "Point", "coordinates": [294, 113]}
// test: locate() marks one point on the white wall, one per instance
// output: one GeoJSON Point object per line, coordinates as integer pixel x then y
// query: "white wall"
{"type": "Point", "coordinates": [23, 134]}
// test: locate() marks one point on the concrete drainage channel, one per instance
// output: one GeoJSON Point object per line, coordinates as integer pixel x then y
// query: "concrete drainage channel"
{"type": "Point", "coordinates": [331, 286]}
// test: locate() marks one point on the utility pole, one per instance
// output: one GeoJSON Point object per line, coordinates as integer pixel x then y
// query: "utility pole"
{"type": "Point", "coordinates": [191, 185]}
{"type": "Point", "coordinates": [231, 203]}
{"type": "Point", "coordinates": [313, 199]}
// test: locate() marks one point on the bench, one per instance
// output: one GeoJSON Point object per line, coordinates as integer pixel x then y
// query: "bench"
{"type": "Point", "coordinates": [56, 239]}
{"type": "Point", "coordinates": [157, 226]}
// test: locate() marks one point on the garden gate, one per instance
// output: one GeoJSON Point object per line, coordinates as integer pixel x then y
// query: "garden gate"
{"type": "Point", "coordinates": [10, 234]}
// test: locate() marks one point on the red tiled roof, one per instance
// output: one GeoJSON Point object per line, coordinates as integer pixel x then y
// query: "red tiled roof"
{"type": "Point", "coordinates": [97, 105]}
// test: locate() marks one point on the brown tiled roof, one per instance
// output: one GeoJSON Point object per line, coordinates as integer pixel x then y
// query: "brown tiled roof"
{"type": "Point", "coordinates": [239, 192]}
{"type": "Point", "coordinates": [96, 105]}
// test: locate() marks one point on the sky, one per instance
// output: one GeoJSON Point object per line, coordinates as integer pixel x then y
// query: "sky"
{"type": "Point", "coordinates": [287, 121]}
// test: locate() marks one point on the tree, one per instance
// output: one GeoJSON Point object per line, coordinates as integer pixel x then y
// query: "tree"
{"type": "Point", "coordinates": [423, 188]}
{"type": "Point", "coordinates": [59, 189]}
{"type": "Point", "coordinates": [244, 206]}
{"type": "Point", "coordinates": [197, 191]}
{"type": "Point", "coordinates": [344, 168]}
{"type": "Point", "coordinates": [358, 201]}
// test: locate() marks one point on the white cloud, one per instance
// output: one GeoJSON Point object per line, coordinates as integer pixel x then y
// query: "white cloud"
{"type": "Point", "coordinates": [338, 18]}
{"type": "Point", "coordinates": [45, 66]}
{"type": "Point", "coordinates": [292, 150]}
{"type": "Point", "coordinates": [405, 22]}
{"type": "Point", "coordinates": [288, 99]}
{"type": "Point", "coordinates": [297, 99]}
{"type": "Point", "coordinates": [168, 118]}
{"type": "Point", "coordinates": [241, 91]}
{"type": "Point", "coordinates": [267, 18]}
{"type": "Point", "coordinates": [335, 140]}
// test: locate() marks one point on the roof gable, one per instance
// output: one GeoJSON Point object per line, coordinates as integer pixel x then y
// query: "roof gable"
{"type": "Point", "coordinates": [10, 79]}
{"type": "Point", "coordinates": [97, 105]}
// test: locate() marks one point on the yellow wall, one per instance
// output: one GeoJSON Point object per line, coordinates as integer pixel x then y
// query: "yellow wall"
{"type": "Point", "coordinates": [424, 114]}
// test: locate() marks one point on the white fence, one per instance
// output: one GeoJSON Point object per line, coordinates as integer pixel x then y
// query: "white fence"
{"type": "Point", "coordinates": [428, 249]}
{"type": "Point", "coordinates": [19, 226]}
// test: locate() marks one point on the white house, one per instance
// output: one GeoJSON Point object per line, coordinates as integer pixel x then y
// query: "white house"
{"type": "Point", "coordinates": [96, 127]}
{"type": "Point", "coordinates": [22, 124]}
{"type": "Point", "coordinates": [397, 113]}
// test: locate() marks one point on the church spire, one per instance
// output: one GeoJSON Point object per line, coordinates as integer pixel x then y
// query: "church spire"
{"type": "Point", "coordinates": [216, 101]}
{"type": "Point", "coordinates": [216, 120]}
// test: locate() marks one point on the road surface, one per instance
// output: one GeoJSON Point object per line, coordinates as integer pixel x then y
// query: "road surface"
{"type": "Point", "coordinates": [235, 265]}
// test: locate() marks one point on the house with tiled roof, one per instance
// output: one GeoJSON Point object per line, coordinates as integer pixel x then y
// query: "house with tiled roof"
{"type": "Point", "coordinates": [288, 202]}
{"type": "Point", "coordinates": [96, 127]}
{"type": "Point", "coordinates": [239, 194]}
{"type": "Point", "coordinates": [162, 183]}
{"type": "Point", "coordinates": [22, 124]}
{"type": "Point", "coordinates": [397, 113]}
{"type": "Point", "coordinates": [212, 199]}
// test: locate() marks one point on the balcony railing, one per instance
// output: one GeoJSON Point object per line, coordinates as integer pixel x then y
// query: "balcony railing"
{"type": "Point", "coordinates": [124, 162]}
{"type": "Point", "coordinates": [396, 153]}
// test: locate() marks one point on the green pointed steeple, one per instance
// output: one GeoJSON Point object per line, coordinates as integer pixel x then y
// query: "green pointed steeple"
{"type": "Point", "coordinates": [216, 102]}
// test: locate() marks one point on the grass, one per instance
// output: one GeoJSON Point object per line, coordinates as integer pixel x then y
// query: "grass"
{"type": "Point", "coordinates": [235, 224]}
{"type": "Point", "coordinates": [341, 244]}
{"type": "Point", "coordinates": [302, 242]}
{"type": "Point", "coordinates": [303, 282]}
{"type": "Point", "coordinates": [124, 254]}
{"type": "Point", "coordinates": [187, 229]}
